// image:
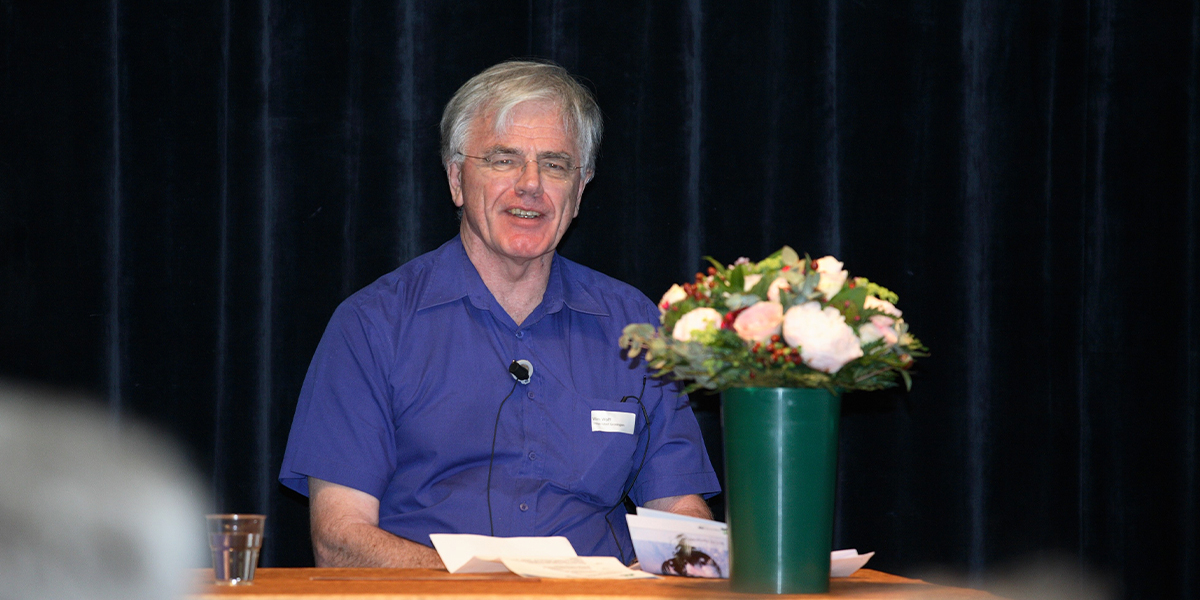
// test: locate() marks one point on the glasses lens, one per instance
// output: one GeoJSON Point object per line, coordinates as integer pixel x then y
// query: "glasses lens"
{"type": "Point", "coordinates": [557, 168]}
{"type": "Point", "coordinates": [504, 163]}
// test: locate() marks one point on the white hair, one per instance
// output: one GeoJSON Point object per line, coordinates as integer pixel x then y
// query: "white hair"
{"type": "Point", "coordinates": [89, 512]}
{"type": "Point", "coordinates": [499, 89]}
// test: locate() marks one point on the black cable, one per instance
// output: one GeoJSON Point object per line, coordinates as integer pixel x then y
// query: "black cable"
{"type": "Point", "coordinates": [492, 458]}
{"type": "Point", "coordinates": [625, 492]}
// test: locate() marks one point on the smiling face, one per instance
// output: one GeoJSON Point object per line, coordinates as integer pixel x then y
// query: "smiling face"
{"type": "Point", "coordinates": [519, 216]}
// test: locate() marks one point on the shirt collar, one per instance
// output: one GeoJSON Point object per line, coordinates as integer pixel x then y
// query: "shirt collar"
{"type": "Point", "coordinates": [453, 277]}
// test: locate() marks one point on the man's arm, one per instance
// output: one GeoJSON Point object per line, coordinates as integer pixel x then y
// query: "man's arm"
{"type": "Point", "coordinates": [346, 533]}
{"type": "Point", "coordinates": [691, 505]}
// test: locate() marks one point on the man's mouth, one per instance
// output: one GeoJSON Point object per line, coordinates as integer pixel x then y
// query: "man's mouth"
{"type": "Point", "coordinates": [524, 214]}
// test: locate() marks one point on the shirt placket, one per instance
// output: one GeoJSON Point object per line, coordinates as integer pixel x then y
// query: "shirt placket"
{"type": "Point", "coordinates": [532, 467]}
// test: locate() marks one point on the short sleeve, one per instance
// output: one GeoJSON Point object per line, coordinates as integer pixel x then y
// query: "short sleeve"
{"type": "Point", "coordinates": [342, 431]}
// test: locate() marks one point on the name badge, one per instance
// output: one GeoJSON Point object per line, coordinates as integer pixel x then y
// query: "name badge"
{"type": "Point", "coordinates": [616, 422]}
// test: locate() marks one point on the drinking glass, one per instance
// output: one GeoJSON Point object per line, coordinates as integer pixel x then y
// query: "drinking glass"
{"type": "Point", "coordinates": [235, 540]}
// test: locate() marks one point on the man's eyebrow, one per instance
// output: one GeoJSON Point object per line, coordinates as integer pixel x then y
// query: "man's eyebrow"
{"type": "Point", "coordinates": [498, 149]}
{"type": "Point", "coordinates": [555, 154]}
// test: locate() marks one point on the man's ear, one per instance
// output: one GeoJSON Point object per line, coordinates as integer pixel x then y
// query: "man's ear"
{"type": "Point", "coordinates": [587, 177]}
{"type": "Point", "coordinates": [454, 177]}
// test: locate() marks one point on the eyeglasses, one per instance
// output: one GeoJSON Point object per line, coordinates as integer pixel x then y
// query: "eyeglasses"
{"type": "Point", "coordinates": [558, 168]}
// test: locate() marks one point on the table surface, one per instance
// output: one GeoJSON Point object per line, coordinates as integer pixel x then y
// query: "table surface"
{"type": "Point", "coordinates": [420, 584]}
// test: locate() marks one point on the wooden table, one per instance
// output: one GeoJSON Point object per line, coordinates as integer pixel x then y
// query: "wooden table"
{"type": "Point", "coordinates": [422, 584]}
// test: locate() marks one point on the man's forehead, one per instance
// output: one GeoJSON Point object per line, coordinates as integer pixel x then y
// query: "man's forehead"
{"type": "Point", "coordinates": [502, 123]}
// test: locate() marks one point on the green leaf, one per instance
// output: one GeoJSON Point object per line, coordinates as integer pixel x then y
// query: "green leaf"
{"type": "Point", "coordinates": [789, 256]}
{"type": "Point", "coordinates": [849, 302]}
{"type": "Point", "coordinates": [736, 301]}
{"type": "Point", "coordinates": [737, 279]}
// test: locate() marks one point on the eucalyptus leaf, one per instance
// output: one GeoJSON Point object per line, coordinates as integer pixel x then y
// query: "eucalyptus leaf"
{"type": "Point", "coordinates": [736, 301]}
{"type": "Point", "coordinates": [789, 256]}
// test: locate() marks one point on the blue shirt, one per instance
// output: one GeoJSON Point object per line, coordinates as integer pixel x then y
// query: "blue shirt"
{"type": "Point", "coordinates": [401, 400]}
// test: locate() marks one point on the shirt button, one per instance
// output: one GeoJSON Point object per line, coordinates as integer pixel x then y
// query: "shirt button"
{"type": "Point", "coordinates": [532, 456]}
{"type": "Point", "coordinates": [520, 334]}
{"type": "Point", "coordinates": [524, 507]}
{"type": "Point", "coordinates": [531, 394]}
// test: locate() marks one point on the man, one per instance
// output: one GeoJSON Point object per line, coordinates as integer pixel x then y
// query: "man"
{"type": "Point", "coordinates": [409, 421]}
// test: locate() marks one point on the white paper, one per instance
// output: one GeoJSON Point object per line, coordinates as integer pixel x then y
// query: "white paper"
{"type": "Point", "coordinates": [614, 421]}
{"type": "Point", "coordinates": [843, 563]}
{"type": "Point", "coordinates": [575, 567]}
{"type": "Point", "coordinates": [469, 553]}
{"type": "Point", "coordinates": [642, 511]}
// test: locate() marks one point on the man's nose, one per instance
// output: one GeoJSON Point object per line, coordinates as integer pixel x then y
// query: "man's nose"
{"type": "Point", "coordinates": [529, 179]}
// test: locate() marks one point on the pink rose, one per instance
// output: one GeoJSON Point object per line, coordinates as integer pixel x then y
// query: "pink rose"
{"type": "Point", "coordinates": [874, 303]}
{"type": "Point", "coordinates": [832, 276]}
{"type": "Point", "coordinates": [759, 322]}
{"type": "Point", "coordinates": [775, 287]}
{"type": "Point", "coordinates": [673, 296]}
{"type": "Point", "coordinates": [879, 327]}
{"type": "Point", "coordinates": [825, 341]}
{"type": "Point", "coordinates": [697, 319]}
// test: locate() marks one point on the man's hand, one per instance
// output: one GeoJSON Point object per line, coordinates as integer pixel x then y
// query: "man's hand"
{"type": "Point", "coordinates": [691, 505]}
{"type": "Point", "coordinates": [346, 533]}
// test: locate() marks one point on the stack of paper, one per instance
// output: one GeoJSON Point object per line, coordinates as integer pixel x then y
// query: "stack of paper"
{"type": "Point", "coordinates": [673, 544]}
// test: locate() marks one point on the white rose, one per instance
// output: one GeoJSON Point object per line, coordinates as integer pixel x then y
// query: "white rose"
{"type": "Point", "coordinates": [881, 305]}
{"type": "Point", "coordinates": [826, 342]}
{"type": "Point", "coordinates": [832, 276]}
{"type": "Point", "coordinates": [879, 327]}
{"type": "Point", "coordinates": [775, 287]}
{"type": "Point", "coordinates": [697, 319]}
{"type": "Point", "coordinates": [751, 281]}
{"type": "Point", "coordinates": [759, 322]}
{"type": "Point", "coordinates": [673, 296]}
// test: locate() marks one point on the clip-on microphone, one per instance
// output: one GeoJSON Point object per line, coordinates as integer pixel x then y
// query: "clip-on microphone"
{"type": "Point", "coordinates": [521, 370]}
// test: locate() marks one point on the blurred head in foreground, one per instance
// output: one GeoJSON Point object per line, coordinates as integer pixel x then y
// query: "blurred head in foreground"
{"type": "Point", "coordinates": [89, 510]}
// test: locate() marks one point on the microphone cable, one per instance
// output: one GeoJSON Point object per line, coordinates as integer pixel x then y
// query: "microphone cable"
{"type": "Point", "coordinates": [492, 458]}
{"type": "Point", "coordinates": [625, 491]}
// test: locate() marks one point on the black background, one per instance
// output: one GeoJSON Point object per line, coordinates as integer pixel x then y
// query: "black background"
{"type": "Point", "coordinates": [188, 189]}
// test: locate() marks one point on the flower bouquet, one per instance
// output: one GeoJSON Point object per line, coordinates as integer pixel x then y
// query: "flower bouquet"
{"type": "Point", "coordinates": [785, 321]}
{"type": "Point", "coordinates": [781, 339]}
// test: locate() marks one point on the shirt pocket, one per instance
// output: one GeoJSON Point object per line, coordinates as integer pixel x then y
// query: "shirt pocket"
{"type": "Point", "coordinates": [600, 462]}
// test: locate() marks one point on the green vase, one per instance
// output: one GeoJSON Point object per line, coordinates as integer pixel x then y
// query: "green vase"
{"type": "Point", "coordinates": [780, 473]}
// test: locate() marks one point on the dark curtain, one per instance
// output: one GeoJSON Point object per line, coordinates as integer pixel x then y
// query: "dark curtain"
{"type": "Point", "coordinates": [188, 189]}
